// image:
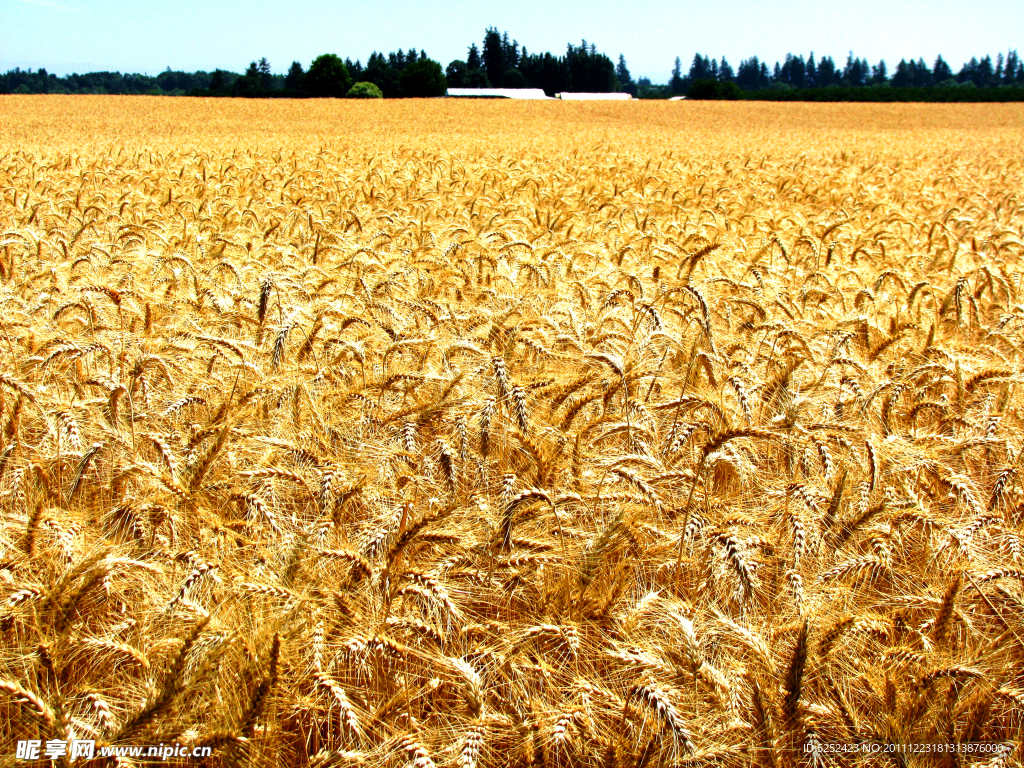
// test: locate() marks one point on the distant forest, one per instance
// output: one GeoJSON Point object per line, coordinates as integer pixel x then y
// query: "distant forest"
{"type": "Point", "coordinates": [501, 62]}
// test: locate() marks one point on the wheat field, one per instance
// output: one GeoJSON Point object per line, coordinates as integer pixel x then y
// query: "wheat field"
{"type": "Point", "coordinates": [486, 434]}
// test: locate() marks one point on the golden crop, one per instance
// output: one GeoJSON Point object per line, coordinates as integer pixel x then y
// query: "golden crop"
{"type": "Point", "coordinates": [448, 433]}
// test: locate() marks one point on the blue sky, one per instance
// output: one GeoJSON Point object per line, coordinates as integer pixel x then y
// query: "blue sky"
{"type": "Point", "coordinates": [90, 35]}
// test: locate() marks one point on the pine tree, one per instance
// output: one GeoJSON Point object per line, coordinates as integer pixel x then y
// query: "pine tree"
{"type": "Point", "coordinates": [294, 81]}
{"type": "Point", "coordinates": [879, 73]}
{"type": "Point", "coordinates": [676, 84]}
{"type": "Point", "coordinates": [903, 76]}
{"type": "Point", "coordinates": [725, 72]}
{"type": "Point", "coordinates": [473, 58]}
{"type": "Point", "coordinates": [941, 71]}
{"type": "Point", "coordinates": [622, 76]}
{"type": "Point", "coordinates": [265, 76]}
{"type": "Point", "coordinates": [826, 71]}
{"type": "Point", "coordinates": [493, 57]}
{"type": "Point", "coordinates": [1010, 68]}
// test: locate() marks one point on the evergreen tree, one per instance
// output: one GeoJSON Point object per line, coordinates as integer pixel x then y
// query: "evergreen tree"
{"type": "Point", "coordinates": [249, 85]}
{"type": "Point", "coordinates": [509, 52]}
{"type": "Point", "coordinates": [493, 57]}
{"type": "Point", "coordinates": [793, 71]}
{"type": "Point", "coordinates": [265, 77]}
{"type": "Point", "coordinates": [922, 75]}
{"type": "Point", "coordinates": [1010, 68]}
{"type": "Point", "coordinates": [588, 71]}
{"type": "Point", "coordinates": [749, 76]}
{"type": "Point", "coordinates": [219, 84]}
{"type": "Point", "coordinates": [380, 72]}
{"type": "Point", "coordinates": [473, 58]}
{"type": "Point", "coordinates": [624, 79]}
{"type": "Point", "coordinates": [676, 84]}
{"type": "Point", "coordinates": [941, 71]}
{"type": "Point", "coordinates": [826, 71]}
{"type": "Point", "coordinates": [879, 73]}
{"type": "Point", "coordinates": [903, 76]}
{"type": "Point", "coordinates": [986, 72]}
{"type": "Point", "coordinates": [725, 72]}
{"type": "Point", "coordinates": [969, 72]}
{"type": "Point", "coordinates": [856, 71]}
{"type": "Point", "coordinates": [294, 81]}
{"type": "Point", "coordinates": [700, 68]}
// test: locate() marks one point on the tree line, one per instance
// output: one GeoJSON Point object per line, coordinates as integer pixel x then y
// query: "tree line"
{"type": "Point", "coordinates": [809, 79]}
{"type": "Point", "coordinates": [501, 62]}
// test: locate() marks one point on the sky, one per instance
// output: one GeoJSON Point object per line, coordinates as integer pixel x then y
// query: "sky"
{"type": "Point", "coordinates": [67, 36]}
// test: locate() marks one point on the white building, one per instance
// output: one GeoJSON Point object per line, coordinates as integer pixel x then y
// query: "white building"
{"type": "Point", "coordinates": [498, 93]}
{"type": "Point", "coordinates": [594, 96]}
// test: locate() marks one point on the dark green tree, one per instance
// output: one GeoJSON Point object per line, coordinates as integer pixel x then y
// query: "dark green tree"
{"type": "Point", "coordinates": [295, 80]}
{"type": "Point", "coordinates": [509, 51]}
{"type": "Point", "coordinates": [473, 60]}
{"type": "Point", "coordinates": [249, 85]}
{"type": "Point", "coordinates": [749, 76]}
{"type": "Point", "coordinates": [355, 70]}
{"type": "Point", "coordinates": [827, 71]}
{"type": "Point", "coordinates": [493, 57]}
{"type": "Point", "coordinates": [794, 71]}
{"type": "Point", "coordinates": [220, 83]}
{"type": "Point", "coordinates": [675, 84]}
{"type": "Point", "coordinates": [380, 72]}
{"type": "Point", "coordinates": [725, 71]}
{"type": "Point", "coordinates": [328, 77]}
{"type": "Point", "coordinates": [941, 71]}
{"type": "Point", "coordinates": [700, 69]}
{"type": "Point", "coordinates": [513, 78]}
{"type": "Point", "coordinates": [713, 89]}
{"type": "Point", "coordinates": [879, 74]}
{"type": "Point", "coordinates": [986, 72]}
{"type": "Point", "coordinates": [920, 73]}
{"type": "Point", "coordinates": [902, 77]}
{"type": "Point", "coordinates": [856, 71]}
{"type": "Point", "coordinates": [423, 79]}
{"type": "Point", "coordinates": [624, 79]}
{"type": "Point", "coordinates": [1010, 68]}
{"type": "Point", "coordinates": [477, 78]}
{"type": "Point", "coordinates": [811, 75]}
{"type": "Point", "coordinates": [266, 78]}
{"type": "Point", "coordinates": [455, 74]}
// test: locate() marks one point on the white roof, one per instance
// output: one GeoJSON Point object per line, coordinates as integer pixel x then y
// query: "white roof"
{"type": "Point", "coordinates": [594, 96]}
{"type": "Point", "coordinates": [677, 98]}
{"type": "Point", "coordinates": [499, 93]}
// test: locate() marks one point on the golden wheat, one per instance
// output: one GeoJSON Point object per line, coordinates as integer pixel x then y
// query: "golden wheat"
{"type": "Point", "coordinates": [481, 434]}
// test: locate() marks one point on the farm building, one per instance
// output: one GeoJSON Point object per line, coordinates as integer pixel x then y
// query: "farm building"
{"type": "Point", "coordinates": [498, 93]}
{"type": "Point", "coordinates": [593, 96]}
